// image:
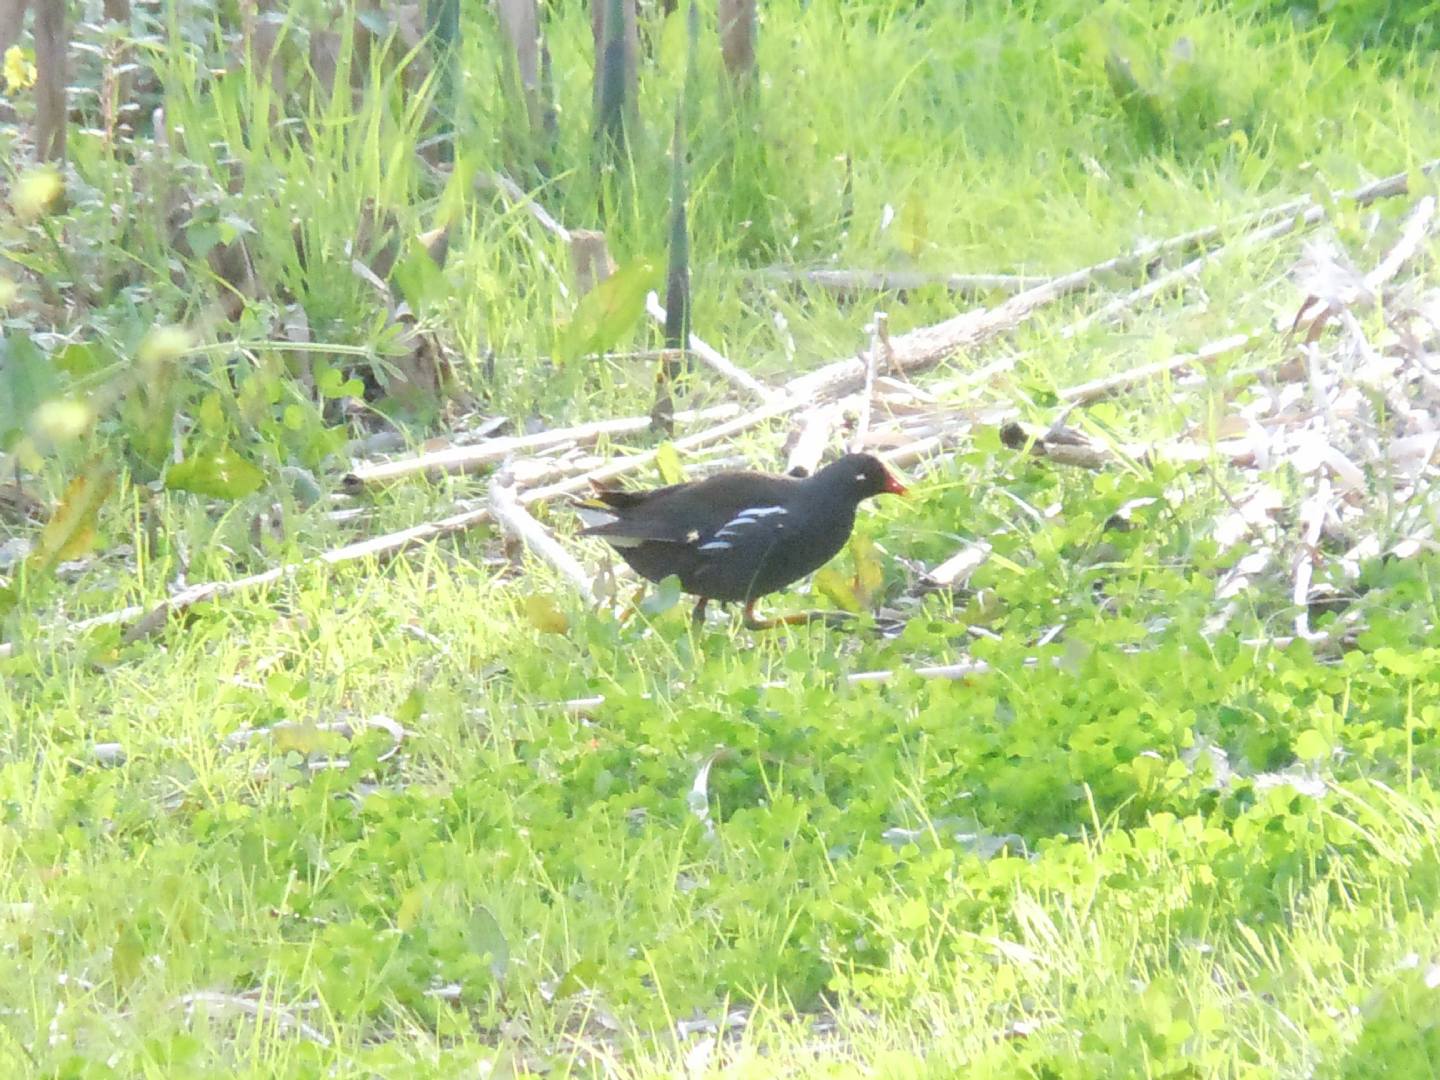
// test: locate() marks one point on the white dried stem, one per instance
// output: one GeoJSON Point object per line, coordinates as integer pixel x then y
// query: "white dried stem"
{"type": "Point", "coordinates": [462, 460]}
{"type": "Point", "coordinates": [956, 570]}
{"type": "Point", "coordinates": [848, 281]}
{"type": "Point", "coordinates": [517, 522]}
{"type": "Point", "coordinates": [1096, 389]}
{"type": "Point", "coordinates": [1412, 236]}
{"type": "Point", "coordinates": [867, 393]}
{"type": "Point", "coordinates": [812, 435]}
{"type": "Point", "coordinates": [258, 1009]}
{"type": "Point", "coordinates": [714, 359]}
{"type": "Point", "coordinates": [1312, 519]}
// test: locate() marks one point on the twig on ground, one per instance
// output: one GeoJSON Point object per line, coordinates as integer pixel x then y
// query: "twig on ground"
{"type": "Point", "coordinates": [1312, 519]}
{"type": "Point", "coordinates": [254, 1007]}
{"type": "Point", "coordinates": [848, 281]}
{"type": "Point", "coordinates": [1096, 389]}
{"type": "Point", "coordinates": [714, 359]}
{"type": "Point", "coordinates": [867, 394]}
{"type": "Point", "coordinates": [516, 520]}
{"type": "Point", "coordinates": [956, 570]}
{"type": "Point", "coordinates": [461, 460]}
{"type": "Point", "coordinates": [812, 436]}
{"type": "Point", "coordinates": [515, 194]}
{"type": "Point", "coordinates": [1412, 236]}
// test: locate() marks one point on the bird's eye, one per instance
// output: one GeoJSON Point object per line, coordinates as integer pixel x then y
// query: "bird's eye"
{"type": "Point", "coordinates": [860, 476]}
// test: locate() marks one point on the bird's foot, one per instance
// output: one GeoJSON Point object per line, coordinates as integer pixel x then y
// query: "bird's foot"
{"type": "Point", "coordinates": [799, 618]}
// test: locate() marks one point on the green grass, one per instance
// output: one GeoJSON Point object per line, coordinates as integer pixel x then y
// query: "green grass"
{"type": "Point", "coordinates": [1037, 872]}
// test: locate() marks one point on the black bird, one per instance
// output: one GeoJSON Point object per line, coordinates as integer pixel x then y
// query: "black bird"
{"type": "Point", "coordinates": [737, 536]}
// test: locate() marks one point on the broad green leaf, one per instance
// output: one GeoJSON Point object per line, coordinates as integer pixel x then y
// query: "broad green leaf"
{"type": "Point", "coordinates": [662, 598]}
{"type": "Point", "coordinates": [418, 278]}
{"type": "Point", "coordinates": [27, 378]}
{"type": "Point", "coordinates": [210, 417]}
{"type": "Point", "coordinates": [202, 238]}
{"type": "Point", "coordinates": [1310, 745]}
{"type": "Point", "coordinates": [80, 358]}
{"type": "Point", "coordinates": [70, 532]}
{"type": "Point", "coordinates": [488, 940]}
{"type": "Point", "coordinates": [667, 461]}
{"type": "Point", "coordinates": [607, 312]}
{"type": "Point", "coordinates": [580, 976]}
{"type": "Point", "coordinates": [223, 474]}
{"type": "Point", "coordinates": [127, 955]}
{"type": "Point", "coordinates": [303, 738]}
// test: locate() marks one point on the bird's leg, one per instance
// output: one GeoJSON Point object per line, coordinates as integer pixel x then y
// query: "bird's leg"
{"type": "Point", "coordinates": [799, 618]}
{"type": "Point", "coordinates": [634, 605]}
{"type": "Point", "coordinates": [698, 615]}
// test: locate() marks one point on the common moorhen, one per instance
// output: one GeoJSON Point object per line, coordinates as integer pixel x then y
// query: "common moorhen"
{"type": "Point", "coordinates": [737, 536]}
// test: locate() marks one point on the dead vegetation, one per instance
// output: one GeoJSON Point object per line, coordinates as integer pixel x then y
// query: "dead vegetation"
{"type": "Point", "coordinates": [1345, 403]}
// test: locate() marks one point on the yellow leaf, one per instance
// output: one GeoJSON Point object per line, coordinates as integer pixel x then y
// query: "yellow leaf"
{"type": "Point", "coordinates": [667, 460]}
{"type": "Point", "coordinates": [545, 615]}
{"type": "Point", "coordinates": [914, 226]}
{"type": "Point", "coordinates": [9, 293]}
{"type": "Point", "coordinates": [303, 738]}
{"type": "Point", "coordinates": [164, 345]}
{"type": "Point", "coordinates": [36, 191]}
{"type": "Point", "coordinates": [869, 573]}
{"type": "Point", "coordinates": [61, 420]}
{"type": "Point", "coordinates": [410, 907]}
{"type": "Point", "coordinates": [70, 532]}
{"type": "Point", "coordinates": [832, 585]}
{"type": "Point", "coordinates": [20, 72]}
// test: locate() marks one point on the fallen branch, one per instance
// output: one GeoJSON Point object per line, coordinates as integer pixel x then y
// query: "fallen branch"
{"type": "Point", "coordinates": [1191, 270]}
{"type": "Point", "coordinates": [518, 196]}
{"type": "Point", "coordinates": [714, 359]}
{"type": "Point", "coordinates": [848, 281]}
{"type": "Point", "coordinates": [635, 462]}
{"type": "Point", "coordinates": [152, 619]}
{"type": "Point", "coordinates": [1096, 389]}
{"type": "Point", "coordinates": [517, 522]}
{"type": "Point", "coordinates": [878, 330]}
{"type": "Point", "coordinates": [811, 436]}
{"type": "Point", "coordinates": [957, 569]}
{"type": "Point", "coordinates": [463, 460]}
{"type": "Point", "coordinates": [1412, 235]}
{"type": "Point", "coordinates": [913, 352]}
{"type": "Point", "coordinates": [1067, 446]}
{"type": "Point", "coordinates": [257, 1009]}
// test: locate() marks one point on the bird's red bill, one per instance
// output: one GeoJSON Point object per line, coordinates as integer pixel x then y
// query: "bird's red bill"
{"type": "Point", "coordinates": [893, 486]}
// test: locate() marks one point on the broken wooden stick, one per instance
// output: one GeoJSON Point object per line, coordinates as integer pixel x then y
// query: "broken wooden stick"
{"type": "Point", "coordinates": [462, 460]}
{"type": "Point", "coordinates": [1095, 389]}
{"type": "Point", "coordinates": [714, 359]}
{"type": "Point", "coordinates": [517, 522]}
{"type": "Point", "coordinates": [867, 392]}
{"type": "Point", "coordinates": [853, 281]}
{"type": "Point", "coordinates": [810, 437]}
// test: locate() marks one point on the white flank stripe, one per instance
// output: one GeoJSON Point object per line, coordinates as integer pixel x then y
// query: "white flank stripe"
{"type": "Point", "coordinates": [716, 545]}
{"type": "Point", "coordinates": [593, 516]}
{"type": "Point", "coordinates": [759, 512]}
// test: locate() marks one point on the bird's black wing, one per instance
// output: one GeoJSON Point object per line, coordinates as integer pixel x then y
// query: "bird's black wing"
{"type": "Point", "coordinates": [690, 513]}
